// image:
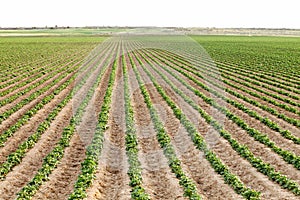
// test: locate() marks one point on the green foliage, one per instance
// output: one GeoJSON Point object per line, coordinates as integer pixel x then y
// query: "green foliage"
{"type": "Point", "coordinates": [242, 150]}
{"type": "Point", "coordinates": [187, 68]}
{"type": "Point", "coordinates": [52, 159]}
{"type": "Point", "coordinates": [89, 166]}
{"type": "Point", "coordinates": [134, 171]}
{"type": "Point", "coordinates": [189, 186]}
{"type": "Point", "coordinates": [270, 57]}
{"type": "Point", "coordinates": [199, 142]}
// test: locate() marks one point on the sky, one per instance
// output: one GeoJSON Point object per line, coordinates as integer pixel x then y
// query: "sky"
{"type": "Point", "coordinates": [183, 13]}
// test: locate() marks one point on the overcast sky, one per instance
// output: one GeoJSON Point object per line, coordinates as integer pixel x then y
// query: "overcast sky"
{"type": "Point", "coordinates": [185, 13]}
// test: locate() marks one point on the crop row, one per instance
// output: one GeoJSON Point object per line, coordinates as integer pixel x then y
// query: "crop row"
{"type": "Point", "coordinates": [7, 113]}
{"type": "Point", "coordinates": [199, 142]}
{"type": "Point", "coordinates": [164, 140]}
{"type": "Point", "coordinates": [270, 79]}
{"type": "Point", "coordinates": [32, 86]}
{"type": "Point", "coordinates": [259, 77]}
{"type": "Point", "coordinates": [264, 98]}
{"type": "Point", "coordinates": [32, 75]}
{"type": "Point", "coordinates": [16, 157]}
{"type": "Point", "coordinates": [248, 75]}
{"type": "Point", "coordinates": [263, 74]}
{"type": "Point", "coordinates": [279, 77]}
{"type": "Point", "coordinates": [59, 59]}
{"type": "Point", "coordinates": [275, 55]}
{"type": "Point", "coordinates": [272, 111]}
{"type": "Point", "coordinates": [288, 156]}
{"type": "Point", "coordinates": [243, 150]}
{"type": "Point", "coordinates": [265, 79]}
{"type": "Point", "coordinates": [28, 114]}
{"type": "Point", "coordinates": [274, 126]}
{"type": "Point", "coordinates": [264, 120]}
{"type": "Point", "coordinates": [20, 53]}
{"type": "Point", "coordinates": [53, 158]}
{"type": "Point", "coordinates": [18, 74]}
{"type": "Point", "coordinates": [34, 71]}
{"type": "Point", "coordinates": [134, 171]}
{"type": "Point", "coordinates": [90, 164]}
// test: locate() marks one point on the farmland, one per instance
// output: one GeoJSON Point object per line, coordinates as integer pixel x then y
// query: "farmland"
{"type": "Point", "coordinates": [149, 117]}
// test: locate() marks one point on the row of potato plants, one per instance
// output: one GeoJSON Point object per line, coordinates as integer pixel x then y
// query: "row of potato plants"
{"type": "Point", "coordinates": [237, 73]}
{"type": "Point", "coordinates": [29, 113]}
{"type": "Point", "coordinates": [254, 60]}
{"type": "Point", "coordinates": [17, 79]}
{"type": "Point", "coordinates": [9, 112]}
{"type": "Point", "coordinates": [264, 74]}
{"type": "Point", "coordinates": [271, 124]}
{"type": "Point", "coordinates": [34, 71]}
{"type": "Point", "coordinates": [58, 57]}
{"type": "Point", "coordinates": [13, 68]}
{"type": "Point", "coordinates": [259, 77]}
{"type": "Point", "coordinates": [279, 91]}
{"type": "Point", "coordinates": [189, 187]}
{"type": "Point", "coordinates": [131, 142]}
{"type": "Point", "coordinates": [90, 164]}
{"type": "Point", "coordinates": [199, 142]}
{"type": "Point", "coordinates": [53, 158]}
{"type": "Point", "coordinates": [280, 78]}
{"type": "Point", "coordinates": [12, 87]}
{"type": "Point", "coordinates": [274, 80]}
{"type": "Point", "coordinates": [243, 150]}
{"type": "Point", "coordinates": [11, 72]}
{"type": "Point", "coordinates": [208, 70]}
{"type": "Point", "coordinates": [272, 111]}
{"type": "Point", "coordinates": [32, 75]}
{"type": "Point", "coordinates": [31, 85]}
{"type": "Point", "coordinates": [275, 55]}
{"type": "Point", "coordinates": [263, 97]}
{"type": "Point", "coordinates": [15, 158]}
{"type": "Point", "coordinates": [7, 100]}
{"type": "Point", "coordinates": [288, 156]}
{"type": "Point", "coordinates": [233, 77]}
{"type": "Point", "coordinates": [274, 126]}
{"type": "Point", "coordinates": [4, 115]}
{"type": "Point", "coordinates": [25, 54]}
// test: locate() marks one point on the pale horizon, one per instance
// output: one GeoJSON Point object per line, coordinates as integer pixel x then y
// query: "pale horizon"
{"type": "Point", "coordinates": [133, 13]}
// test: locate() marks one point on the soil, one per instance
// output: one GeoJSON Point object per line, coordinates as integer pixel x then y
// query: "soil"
{"type": "Point", "coordinates": [25, 171]}
{"type": "Point", "coordinates": [219, 144]}
{"type": "Point", "coordinates": [158, 180]}
{"type": "Point", "coordinates": [62, 179]}
{"type": "Point", "coordinates": [111, 179]}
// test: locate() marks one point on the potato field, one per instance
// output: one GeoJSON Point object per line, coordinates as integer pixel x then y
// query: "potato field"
{"type": "Point", "coordinates": [150, 117]}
